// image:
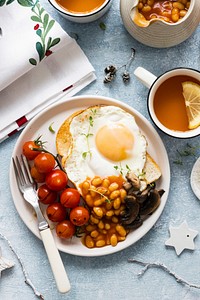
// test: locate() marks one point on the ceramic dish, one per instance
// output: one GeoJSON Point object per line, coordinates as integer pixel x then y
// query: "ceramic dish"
{"type": "Point", "coordinates": [195, 178]}
{"type": "Point", "coordinates": [56, 114]}
{"type": "Point", "coordinates": [80, 17]}
{"type": "Point", "coordinates": [161, 34]}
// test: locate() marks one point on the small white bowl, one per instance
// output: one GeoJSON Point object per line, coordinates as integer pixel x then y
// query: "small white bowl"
{"type": "Point", "coordinates": [160, 34]}
{"type": "Point", "coordinates": [195, 178]}
{"type": "Point", "coordinates": [79, 17]}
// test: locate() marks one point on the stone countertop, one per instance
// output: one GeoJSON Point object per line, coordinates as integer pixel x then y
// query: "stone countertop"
{"type": "Point", "coordinates": [112, 276]}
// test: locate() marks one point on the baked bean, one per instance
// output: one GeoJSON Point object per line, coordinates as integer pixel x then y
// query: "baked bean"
{"type": "Point", "coordinates": [123, 193]}
{"type": "Point", "coordinates": [92, 190]}
{"type": "Point", "coordinates": [101, 224]}
{"type": "Point", "coordinates": [117, 203]}
{"type": "Point", "coordinates": [109, 213]}
{"type": "Point", "coordinates": [98, 212]}
{"type": "Point", "coordinates": [90, 227]}
{"type": "Point", "coordinates": [99, 202]}
{"type": "Point", "coordinates": [94, 220]}
{"type": "Point", "coordinates": [89, 200]}
{"type": "Point", "coordinates": [150, 2]}
{"type": "Point", "coordinates": [85, 187]}
{"type": "Point", "coordinates": [96, 181]}
{"type": "Point", "coordinates": [113, 187]}
{"type": "Point", "coordinates": [100, 243]}
{"type": "Point", "coordinates": [182, 13]}
{"type": "Point", "coordinates": [146, 8]}
{"type": "Point", "coordinates": [114, 194]}
{"type": "Point", "coordinates": [107, 226]}
{"type": "Point", "coordinates": [94, 233]}
{"type": "Point", "coordinates": [106, 183]}
{"type": "Point", "coordinates": [175, 17]}
{"type": "Point", "coordinates": [178, 5]}
{"type": "Point", "coordinates": [120, 229]}
{"type": "Point", "coordinates": [115, 219]}
{"type": "Point", "coordinates": [140, 6]}
{"type": "Point", "coordinates": [113, 240]}
{"type": "Point", "coordinates": [89, 241]}
{"type": "Point", "coordinates": [188, 4]}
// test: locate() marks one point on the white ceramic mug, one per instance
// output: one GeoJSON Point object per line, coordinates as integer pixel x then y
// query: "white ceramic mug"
{"type": "Point", "coordinates": [82, 17]}
{"type": "Point", "coordinates": [152, 83]}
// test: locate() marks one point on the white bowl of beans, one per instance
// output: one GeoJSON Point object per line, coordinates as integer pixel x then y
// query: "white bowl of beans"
{"type": "Point", "coordinates": [160, 24]}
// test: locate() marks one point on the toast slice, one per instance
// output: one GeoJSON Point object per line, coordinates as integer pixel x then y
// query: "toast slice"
{"type": "Point", "coordinates": [151, 170]}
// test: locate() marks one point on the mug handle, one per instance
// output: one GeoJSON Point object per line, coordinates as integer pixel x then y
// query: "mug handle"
{"type": "Point", "coordinates": [146, 77]}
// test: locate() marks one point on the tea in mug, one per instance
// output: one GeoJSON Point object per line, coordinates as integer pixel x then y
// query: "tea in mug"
{"type": "Point", "coordinates": [80, 6]}
{"type": "Point", "coordinates": [169, 103]}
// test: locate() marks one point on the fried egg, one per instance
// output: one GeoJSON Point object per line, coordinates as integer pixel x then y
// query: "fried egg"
{"type": "Point", "coordinates": [105, 141]}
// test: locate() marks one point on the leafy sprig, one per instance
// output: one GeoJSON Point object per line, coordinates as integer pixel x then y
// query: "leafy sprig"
{"type": "Point", "coordinates": [121, 169]}
{"type": "Point", "coordinates": [89, 134]}
{"type": "Point", "coordinates": [189, 150]}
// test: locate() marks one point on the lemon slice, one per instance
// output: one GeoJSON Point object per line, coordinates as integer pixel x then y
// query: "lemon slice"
{"type": "Point", "coordinates": [191, 93]}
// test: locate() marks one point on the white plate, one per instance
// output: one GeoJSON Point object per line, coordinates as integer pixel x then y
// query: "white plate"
{"type": "Point", "coordinates": [195, 178]}
{"type": "Point", "coordinates": [56, 114]}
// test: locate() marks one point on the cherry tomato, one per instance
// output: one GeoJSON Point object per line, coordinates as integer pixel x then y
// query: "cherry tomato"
{"type": "Point", "coordinates": [56, 212]}
{"type": "Point", "coordinates": [65, 229]}
{"type": "Point", "coordinates": [79, 216]}
{"type": "Point", "coordinates": [70, 198]}
{"type": "Point", "coordinates": [56, 180]}
{"type": "Point", "coordinates": [38, 177]}
{"type": "Point", "coordinates": [45, 195]}
{"type": "Point", "coordinates": [28, 151]}
{"type": "Point", "coordinates": [44, 162]}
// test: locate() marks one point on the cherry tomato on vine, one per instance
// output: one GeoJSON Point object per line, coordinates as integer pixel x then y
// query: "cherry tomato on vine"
{"type": "Point", "coordinates": [45, 195]}
{"type": "Point", "coordinates": [38, 177]}
{"type": "Point", "coordinates": [56, 212]}
{"type": "Point", "coordinates": [79, 216]}
{"type": "Point", "coordinates": [56, 180]}
{"type": "Point", "coordinates": [44, 162]}
{"type": "Point", "coordinates": [70, 198]}
{"type": "Point", "coordinates": [28, 151]}
{"type": "Point", "coordinates": [65, 229]}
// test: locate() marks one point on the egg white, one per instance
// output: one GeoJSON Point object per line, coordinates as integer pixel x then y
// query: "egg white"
{"type": "Point", "coordinates": [84, 159]}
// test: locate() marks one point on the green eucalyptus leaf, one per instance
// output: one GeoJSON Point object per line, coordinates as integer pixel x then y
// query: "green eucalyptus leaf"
{"type": "Point", "coordinates": [55, 42]}
{"type": "Point", "coordinates": [36, 19]}
{"type": "Point", "coordinates": [9, 2]}
{"type": "Point", "coordinates": [39, 32]}
{"type": "Point", "coordinates": [28, 3]}
{"type": "Point", "coordinates": [33, 61]}
{"type": "Point", "coordinates": [45, 21]}
{"type": "Point", "coordinates": [50, 25]}
{"type": "Point", "coordinates": [2, 2]}
{"type": "Point", "coordinates": [49, 42]}
{"type": "Point", "coordinates": [40, 50]}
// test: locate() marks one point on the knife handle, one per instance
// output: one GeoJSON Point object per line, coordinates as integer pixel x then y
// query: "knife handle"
{"type": "Point", "coordinates": [56, 263]}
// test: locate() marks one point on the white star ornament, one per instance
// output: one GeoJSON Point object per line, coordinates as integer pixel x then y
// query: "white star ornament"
{"type": "Point", "coordinates": [181, 238]}
{"type": "Point", "coordinates": [5, 263]}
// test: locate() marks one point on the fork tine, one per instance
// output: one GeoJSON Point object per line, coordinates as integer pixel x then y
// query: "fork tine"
{"type": "Point", "coordinates": [17, 171]}
{"type": "Point", "coordinates": [26, 168]}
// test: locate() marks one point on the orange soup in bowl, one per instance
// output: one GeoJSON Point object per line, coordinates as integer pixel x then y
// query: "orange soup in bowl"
{"type": "Point", "coordinates": [80, 6]}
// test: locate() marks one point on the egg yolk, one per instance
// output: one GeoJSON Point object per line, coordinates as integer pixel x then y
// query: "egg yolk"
{"type": "Point", "coordinates": [114, 142]}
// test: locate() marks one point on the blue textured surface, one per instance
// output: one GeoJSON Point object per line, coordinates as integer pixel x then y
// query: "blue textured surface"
{"type": "Point", "coordinates": [112, 277]}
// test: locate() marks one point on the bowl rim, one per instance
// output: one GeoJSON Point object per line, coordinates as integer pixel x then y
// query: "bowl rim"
{"type": "Point", "coordinates": [79, 15]}
{"type": "Point", "coordinates": [190, 133]}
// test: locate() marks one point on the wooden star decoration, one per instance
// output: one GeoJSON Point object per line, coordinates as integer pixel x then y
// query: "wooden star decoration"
{"type": "Point", "coordinates": [5, 263]}
{"type": "Point", "coordinates": [181, 238]}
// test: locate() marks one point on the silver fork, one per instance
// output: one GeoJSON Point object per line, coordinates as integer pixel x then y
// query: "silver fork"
{"type": "Point", "coordinates": [27, 187]}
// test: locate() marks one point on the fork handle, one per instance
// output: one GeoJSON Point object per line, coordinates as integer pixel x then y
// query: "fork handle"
{"type": "Point", "coordinates": [56, 263]}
